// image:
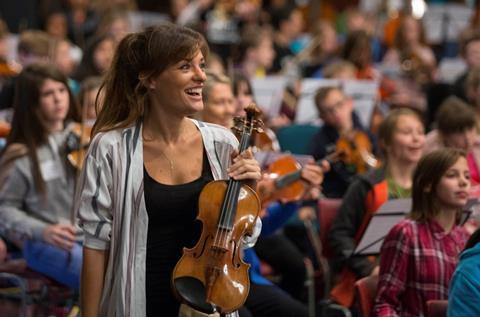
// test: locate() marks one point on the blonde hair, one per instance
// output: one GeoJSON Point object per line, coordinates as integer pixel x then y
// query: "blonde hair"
{"type": "Point", "coordinates": [212, 80]}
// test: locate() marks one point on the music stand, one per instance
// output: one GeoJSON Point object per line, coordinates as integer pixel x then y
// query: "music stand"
{"type": "Point", "coordinates": [389, 214]}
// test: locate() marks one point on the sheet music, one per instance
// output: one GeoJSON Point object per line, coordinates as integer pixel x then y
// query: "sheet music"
{"type": "Point", "coordinates": [377, 230]}
{"type": "Point", "coordinates": [364, 94]}
{"type": "Point", "coordinates": [388, 215]}
{"type": "Point", "coordinates": [306, 109]}
{"type": "Point", "coordinates": [446, 21]}
{"type": "Point", "coordinates": [268, 93]}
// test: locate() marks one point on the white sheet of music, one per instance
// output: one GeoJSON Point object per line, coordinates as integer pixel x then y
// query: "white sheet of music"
{"type": "Point", "coordinates": [446, 21]}
{"type": "Point", "coordinates": [363, 93]}
{"type": "Point", "coordinates": [268, 93]}
{"type": "Point", "coordinates": [306, 109]}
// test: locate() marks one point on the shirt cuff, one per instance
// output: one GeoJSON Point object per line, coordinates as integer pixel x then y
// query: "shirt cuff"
{"type": "Point", "coordinates": [249, 241]}
{"type": "Point", "coordinates": [38, 229]}
{"type": "Point", "coordinates": [93, 242]}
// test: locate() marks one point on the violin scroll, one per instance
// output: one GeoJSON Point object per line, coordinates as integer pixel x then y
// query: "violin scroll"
{"type": "Point", "coordinates": [250, 122]}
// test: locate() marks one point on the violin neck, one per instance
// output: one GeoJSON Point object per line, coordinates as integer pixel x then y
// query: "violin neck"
{"type": "Point", "coordinates": [287, 179]}
{"type": "Point", "coordinates": [230, 201]}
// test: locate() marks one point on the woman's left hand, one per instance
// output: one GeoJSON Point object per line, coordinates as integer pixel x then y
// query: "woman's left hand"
{"type": "Point", "coordinates": [244, 166]}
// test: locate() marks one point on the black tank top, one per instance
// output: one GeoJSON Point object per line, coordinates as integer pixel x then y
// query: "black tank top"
{"type": "Point", "coordinates": [172, 210]}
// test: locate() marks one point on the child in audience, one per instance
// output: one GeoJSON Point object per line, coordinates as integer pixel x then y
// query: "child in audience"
{"type": "Point", "coordinates": [401, 138]}
{"type": "Point", "coordinates": [419, 254]}
{"type": "Point", "coordinates": [36, 191]}
{"type": "Point", "coordinates": [456, 128]}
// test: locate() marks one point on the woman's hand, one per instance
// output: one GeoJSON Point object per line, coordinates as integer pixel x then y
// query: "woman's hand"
{"type": "Point", "coordinates": [60, 235]}
{"type": "Point", "coordinates": [244, 166]}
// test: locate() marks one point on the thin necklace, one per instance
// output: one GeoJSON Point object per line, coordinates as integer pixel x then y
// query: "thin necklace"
{"type": "Point", "coordinates": [170, 162]}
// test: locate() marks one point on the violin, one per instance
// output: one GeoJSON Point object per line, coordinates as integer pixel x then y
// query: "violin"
{"type": "Point", "coordinates": [4, 129]}
{"type": "Point", "coordinates": [211, 276]}
{"type": "Point", "coordinates": [286, 176]}
{"type": "Point", "coordinates": [353, 149]}
{"type": "Point", "coordinates": [357, 150]}
{"type": "Point", "coordinates": [77, 144]}
{"type": "Point", "coordinates": [266, 140]}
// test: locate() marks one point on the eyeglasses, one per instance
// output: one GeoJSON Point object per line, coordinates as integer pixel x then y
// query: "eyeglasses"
{"type": "Point", "coordinates": [331, 109]}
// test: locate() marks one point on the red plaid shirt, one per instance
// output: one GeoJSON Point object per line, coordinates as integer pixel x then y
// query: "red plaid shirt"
{"type": "Point", "coordinates": [417, 262]}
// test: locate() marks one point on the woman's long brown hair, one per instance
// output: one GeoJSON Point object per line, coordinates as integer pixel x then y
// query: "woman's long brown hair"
{"type": "Point", "coordinates": [28, 127]}
{"type": "Point", "coordinates": [141, 55]}
{"type": "Point", "coordinates": [428, 173]}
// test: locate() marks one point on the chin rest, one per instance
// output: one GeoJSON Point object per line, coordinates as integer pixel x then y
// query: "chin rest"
{"type": "Point", "coordinates": [193, 292]}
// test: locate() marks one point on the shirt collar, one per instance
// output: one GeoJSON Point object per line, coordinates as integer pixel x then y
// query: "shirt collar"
{"type": "Point", "coordinates": [438, 232]}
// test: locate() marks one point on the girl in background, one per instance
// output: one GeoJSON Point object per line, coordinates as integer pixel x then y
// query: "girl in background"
{"type": "Point", "coordinates": [401, 138]}
{"type": "Point", "coordinates": [419, 254]}
{"type": "Point", "coordinates": [36, 180]}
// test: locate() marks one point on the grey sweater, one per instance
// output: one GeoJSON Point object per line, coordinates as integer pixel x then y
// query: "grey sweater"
{"type": "Point", "coordinates": [24, 212]}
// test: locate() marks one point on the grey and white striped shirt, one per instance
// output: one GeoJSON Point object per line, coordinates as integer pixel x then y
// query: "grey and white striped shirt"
{"type": "Point", "coordinates": [111, 208]}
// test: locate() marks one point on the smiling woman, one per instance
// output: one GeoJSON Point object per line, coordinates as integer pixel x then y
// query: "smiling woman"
{"type": "Point", "coordinates": [147, 164]}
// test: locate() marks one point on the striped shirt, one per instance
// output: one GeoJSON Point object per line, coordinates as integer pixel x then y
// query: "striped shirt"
{"type": "Point", "coordinates": [416, 265]}
{"type": "Point", "coordinates": [111, 208]}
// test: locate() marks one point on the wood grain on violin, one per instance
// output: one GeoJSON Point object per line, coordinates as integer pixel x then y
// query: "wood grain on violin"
{"type": "Point", "coordinates": [212, 276]}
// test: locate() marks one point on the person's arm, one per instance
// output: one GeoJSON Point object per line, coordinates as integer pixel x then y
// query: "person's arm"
{"type": "Point", "coordinates": [93, 274]}
{"type": "Point", "coordinates": [393, 271]}
{"type": "Point", "coordinates": [15, 221]}
{"type": "Point", "coordinates": [345, 226]}
{"type": "Point", "coordinates": [93, 205]}
{"type": "Point", "coordinates": [464, 293]}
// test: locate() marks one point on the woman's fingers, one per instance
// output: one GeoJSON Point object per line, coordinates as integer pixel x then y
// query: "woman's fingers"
{"type": "Point", "coordinates": [245, 167]}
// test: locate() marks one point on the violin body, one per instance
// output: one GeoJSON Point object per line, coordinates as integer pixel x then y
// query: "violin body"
{"type": "Point", "coordinates": [4, 129]}
{"type": "Point", "coordinates": [266, 140]}
{"type": "Point", "coordinates": [212, 275]}
{"type": "Point", "coordinates": [294, 190]}
{"type": "Point", "coordinates": [78, 151]}
{"type": "Point", "coordinates": [357, 151]}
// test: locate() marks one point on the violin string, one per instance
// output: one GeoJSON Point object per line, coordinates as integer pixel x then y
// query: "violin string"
{"type": "Point", "coordinates": [229, 211]}
{"type": "Point", "coordinates": [218, 233]}
{"type": "Point", "coordinates": [224, 213]}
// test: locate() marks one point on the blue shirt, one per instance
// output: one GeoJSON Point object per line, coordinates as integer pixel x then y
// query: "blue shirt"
{"type": "Point", "coordinates": [464, 293]}
{"type": "Point", "coordinates": [277, 215]}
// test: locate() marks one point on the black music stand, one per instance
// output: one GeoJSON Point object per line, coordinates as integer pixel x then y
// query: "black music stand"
{"type": "Point", "coordinates": [389, 214]}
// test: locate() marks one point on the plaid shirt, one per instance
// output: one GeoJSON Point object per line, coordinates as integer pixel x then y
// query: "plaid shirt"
{"type": "Point", "coordinates": [417, 263]}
